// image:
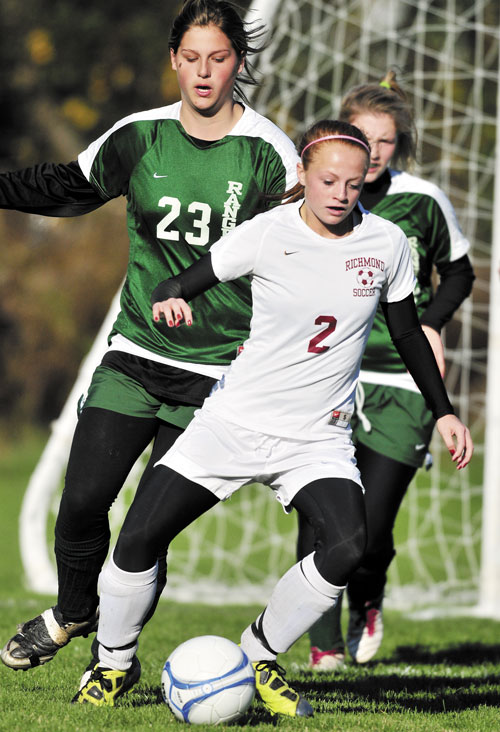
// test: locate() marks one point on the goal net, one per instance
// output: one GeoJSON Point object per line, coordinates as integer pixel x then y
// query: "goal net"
{"type": "Point", "coordinates": [447, 55]}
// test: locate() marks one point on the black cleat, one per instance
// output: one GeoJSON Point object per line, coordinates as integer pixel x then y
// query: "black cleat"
{"type": "Point", "coordinates": [38, 640]}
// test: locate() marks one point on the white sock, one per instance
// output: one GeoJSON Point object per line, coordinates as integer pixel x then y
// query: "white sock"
{"type": "Point", "coordinates": [297, 601]}
{"type": "Point", "coordinates": [125, 598]}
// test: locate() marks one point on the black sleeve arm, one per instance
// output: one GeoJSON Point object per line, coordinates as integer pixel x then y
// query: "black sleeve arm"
{"type": "Point", "coordinates": [49, 189]}
{"type": "Point", "coordinates": [191, 282]}
{"type": "Point", "coordinates": [416, 353]}
{"type": "Point", "coordinates": [455, 284]}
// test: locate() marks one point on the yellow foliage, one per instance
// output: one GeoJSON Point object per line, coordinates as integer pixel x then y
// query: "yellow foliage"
{"type": "Point", "coordinates": [99, 91]}
{"type": "Point", "coordinates": [40, 47]}
{"type": "Point", "coordinates": [79, 113]}
{"type": "Point", "coordinates": [122, 76]}
{"type": "Point", "coordinates": [169, 85]}
{"type": "Point", "coordinates": [57, 279]}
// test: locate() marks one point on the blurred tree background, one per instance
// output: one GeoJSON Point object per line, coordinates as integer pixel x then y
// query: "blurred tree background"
{"type": "Point", "coordinates": [69, 70]}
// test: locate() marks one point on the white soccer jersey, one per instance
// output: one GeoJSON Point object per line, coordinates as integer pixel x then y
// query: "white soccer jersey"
{"type": "Point", "coordinates": [314, 300]}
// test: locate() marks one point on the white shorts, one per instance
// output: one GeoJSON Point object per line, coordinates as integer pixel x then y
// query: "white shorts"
{"type": "Point", "coordinates": [222, 456]}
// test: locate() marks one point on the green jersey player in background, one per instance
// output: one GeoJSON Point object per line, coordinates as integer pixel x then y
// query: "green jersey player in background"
{"type": "Point", "coordinates": [190, 173]}
{"type": "Point", "coordinates": [393, 424]}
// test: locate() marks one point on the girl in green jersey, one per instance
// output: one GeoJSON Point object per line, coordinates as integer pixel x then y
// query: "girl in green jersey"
{"type": "Point", "coordinates": [393, 424]}
{"type": "Point", "coordinates": [190, 172]}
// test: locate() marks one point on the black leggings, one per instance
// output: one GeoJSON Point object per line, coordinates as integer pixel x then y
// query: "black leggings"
{"type": "Point", "coordinates": [104, 449]}
{"type": "Point", "coordinates": [385, 481]}
{"type": "Point", "coordinates": [334, 508]}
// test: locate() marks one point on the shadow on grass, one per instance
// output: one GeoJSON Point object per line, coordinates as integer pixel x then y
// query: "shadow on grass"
{"type": "Point", "coordinates": [463, 654]}
{"type": "Point", "coordinates": [414, 688]}
{"type": "Point", "coordinates": [148, 695]}
{"type": "Point", "coordinates": [378, 687]}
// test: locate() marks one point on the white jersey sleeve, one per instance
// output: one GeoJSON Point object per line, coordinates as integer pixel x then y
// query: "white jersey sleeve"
{"type": "Point", "coordinates": [400, 275]}
{"type": "Point", "coordinates": [236, 254]}
{"type": "Point", "coordinates": [404, 185]}
{"type": "Point", "coordinates": [460, 245]}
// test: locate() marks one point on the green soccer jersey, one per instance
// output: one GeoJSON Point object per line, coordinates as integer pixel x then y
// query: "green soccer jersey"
{"type": "Point", "coordinates": [427, 218]}
{"type": "Point", "coordinates": [182, 196]}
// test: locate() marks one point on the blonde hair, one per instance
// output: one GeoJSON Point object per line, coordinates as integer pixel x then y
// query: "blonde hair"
{"type": "Point", "coordinates": [385, 97]}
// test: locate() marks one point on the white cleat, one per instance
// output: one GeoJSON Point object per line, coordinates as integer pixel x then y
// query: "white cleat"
{"type": "Point", "coordinates": [365, 630]}
{"type": "Point", "coordinates": [333, 660]}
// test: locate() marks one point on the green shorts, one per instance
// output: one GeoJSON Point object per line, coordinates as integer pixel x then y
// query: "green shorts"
{"type": "Point", "coordinates": [110, 389]}
{"type": "Point", "coordinates": [394, 422]}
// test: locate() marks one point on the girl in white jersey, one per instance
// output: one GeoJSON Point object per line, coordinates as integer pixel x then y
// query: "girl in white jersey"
{"type": "Point", "coordinates": [281, 413]}
{"type": "Point", "coordinates": [190, 172]}
{"type": "Point", "coordinates": [393, 424]}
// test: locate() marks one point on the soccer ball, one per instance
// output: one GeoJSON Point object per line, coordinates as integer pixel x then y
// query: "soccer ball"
{"type": "Point", "coordinates": [208, 680]}
{"type": "Point", "coordinates": [366, 277]}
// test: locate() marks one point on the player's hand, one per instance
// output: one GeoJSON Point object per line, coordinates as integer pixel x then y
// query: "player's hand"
{"type": "Point", "coordinates": [174, 310]}
{"type": "Point", "coordinates": [457, 439]}
{"type": "Point", "coordinates": [437, 347]}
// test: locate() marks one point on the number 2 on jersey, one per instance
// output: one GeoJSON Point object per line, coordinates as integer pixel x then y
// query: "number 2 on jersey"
{"type": "Point", "coordinates": [201, 223]}
{"type": "Point", "coordinates": [313, 343]}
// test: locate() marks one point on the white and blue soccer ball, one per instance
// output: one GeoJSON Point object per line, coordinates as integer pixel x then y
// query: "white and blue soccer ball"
{"type": "Point", "coordinates": [208, 680]}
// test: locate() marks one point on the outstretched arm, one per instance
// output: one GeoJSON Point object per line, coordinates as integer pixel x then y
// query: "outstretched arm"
{"type": "Point", "coordinates": [169, 298]}
{"type": "Point", "coordinates": [49, 189]}
{"type": "Point", "coordinates": [417, 355]}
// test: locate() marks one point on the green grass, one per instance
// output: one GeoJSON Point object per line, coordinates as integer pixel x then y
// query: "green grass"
{"type": "Point", "coordinates": [439, 675]}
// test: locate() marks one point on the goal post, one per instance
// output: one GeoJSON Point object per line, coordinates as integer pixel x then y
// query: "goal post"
{"type": "Point", "coordinates": [447, 533]}
{"type": "Point", "coordinates": [489, 586]}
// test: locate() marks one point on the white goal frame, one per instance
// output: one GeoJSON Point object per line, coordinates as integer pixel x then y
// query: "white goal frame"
{"type": "Point", "coordinates": [489, 582]}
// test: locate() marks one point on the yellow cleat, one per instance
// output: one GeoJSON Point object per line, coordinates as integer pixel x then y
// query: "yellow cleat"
{"type": "Point", "coordinates": [105, 685]}
{"type": "Point", "coordinates": [278, 697]}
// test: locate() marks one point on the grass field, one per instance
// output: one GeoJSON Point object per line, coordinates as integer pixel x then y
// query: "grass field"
{"type": "Point", "coordinates": [440, 675]}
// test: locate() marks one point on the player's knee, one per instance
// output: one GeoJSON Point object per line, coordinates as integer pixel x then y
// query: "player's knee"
{"type": "Point", "coordinates": [353, 549]}
{"type": "Point", "coordinates": [134, 552]}
{"type": "Point", "coordinates": [337, 557]}
{"type": "Point", "coordinates": [79, 517]}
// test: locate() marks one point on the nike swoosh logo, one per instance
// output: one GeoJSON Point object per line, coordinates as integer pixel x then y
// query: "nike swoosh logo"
{"type": "Point", "coordinates": [287, 253]}
{"type": "Point", "coordinates": [155, 175]}
{"type": "Point", "coordinates": [419, 447]}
